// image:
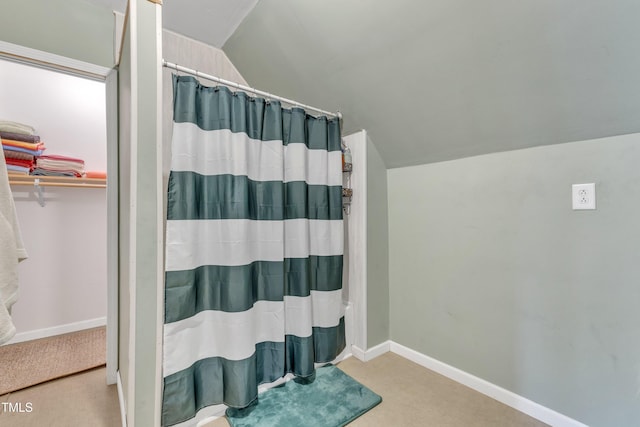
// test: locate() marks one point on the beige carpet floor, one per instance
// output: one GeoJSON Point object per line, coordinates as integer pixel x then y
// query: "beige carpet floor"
{"type": "Point", "coordinates": [413, 396]}
{"type": "Point", "coordinates": [81, 400]}
{"type": "Point", "coordinates": [33, 362]}
{"type": "Point", "coordinates": [416, 396]}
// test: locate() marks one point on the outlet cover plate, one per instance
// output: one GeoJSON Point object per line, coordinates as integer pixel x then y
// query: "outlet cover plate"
{"type": "Point", "coordinates": [583, 196]}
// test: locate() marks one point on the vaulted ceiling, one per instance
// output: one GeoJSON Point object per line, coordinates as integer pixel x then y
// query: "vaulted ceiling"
{"type": "Point", "coordinates": [436, 80]}
{"type": "Point", "coordinates": [209, 21]}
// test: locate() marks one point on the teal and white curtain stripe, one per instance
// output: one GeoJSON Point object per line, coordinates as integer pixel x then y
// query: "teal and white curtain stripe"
{"type": "Point", "coordinates": [254, 245]}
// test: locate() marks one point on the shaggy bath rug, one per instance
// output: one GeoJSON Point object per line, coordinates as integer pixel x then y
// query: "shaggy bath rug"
{"type": "Point", "coordinates": [331, 399]}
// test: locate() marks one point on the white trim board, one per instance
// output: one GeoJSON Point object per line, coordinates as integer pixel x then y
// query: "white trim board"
{"type": "Point", "coordinates": [58, 330]}
{"type": "Point", "coordinates": [357, 239]}
{"type": "Point", "coordinates": [372, 353]}
{"type": "Point", "coordinates": [52, 61]}
{"type": "Point", "coordinates": [111, 87]}
{"type": "Point", "coordinates": [123, 414]}
{"type": "Point", "coordinates": [522, 404]}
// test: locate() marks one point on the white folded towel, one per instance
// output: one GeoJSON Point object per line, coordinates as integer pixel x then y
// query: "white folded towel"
{"type": "Point", "coordinates": [15, 127]}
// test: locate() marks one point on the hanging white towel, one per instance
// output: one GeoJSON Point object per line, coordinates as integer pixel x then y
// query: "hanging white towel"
{"type": "Point", "coordinates": [12, 251]}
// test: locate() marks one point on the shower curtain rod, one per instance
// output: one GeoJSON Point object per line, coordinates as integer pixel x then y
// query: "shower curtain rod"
{"type": "Point", "coordinates": [247, 88]}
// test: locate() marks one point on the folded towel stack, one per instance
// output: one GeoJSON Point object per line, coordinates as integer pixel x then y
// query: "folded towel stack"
{"type": "Point", "coordinates": [23, 152]}
{"type": "Point", "coordinates": [20, 145]}
{"type": "Point", "coordinates": [54, 165]}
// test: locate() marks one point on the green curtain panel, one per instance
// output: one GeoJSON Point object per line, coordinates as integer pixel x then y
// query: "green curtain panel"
{"type": "Point", "coordinates": [254, 248]}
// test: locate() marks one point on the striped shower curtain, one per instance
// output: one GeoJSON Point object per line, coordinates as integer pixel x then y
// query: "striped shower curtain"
{"type": "Point", "coordinates": [254, 243]}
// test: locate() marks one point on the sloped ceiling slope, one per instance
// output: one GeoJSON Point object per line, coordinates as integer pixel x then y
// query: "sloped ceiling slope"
{"type": "Point", "coordinates": [209, 21]}
{"type": "Point", "coordinates": [436, 80]}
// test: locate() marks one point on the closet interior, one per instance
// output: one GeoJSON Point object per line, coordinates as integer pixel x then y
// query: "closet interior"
{"type": "Point", "coordinates": [61, 206]}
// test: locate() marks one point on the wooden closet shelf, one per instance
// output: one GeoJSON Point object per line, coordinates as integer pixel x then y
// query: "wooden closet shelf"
{"type": "Point", "coordinates": [57, 181]}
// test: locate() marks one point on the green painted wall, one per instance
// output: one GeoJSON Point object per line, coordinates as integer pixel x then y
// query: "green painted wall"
{"type": "Point", "coordinates": [377, 249]}
{"type": "Point", "coordinates": [75, 29]}
{"type": "Point", "coordinates": [492, 272]}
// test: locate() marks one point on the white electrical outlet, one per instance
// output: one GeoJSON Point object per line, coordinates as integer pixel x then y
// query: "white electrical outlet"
{"type": "Point", "coordinates": [583, 196]}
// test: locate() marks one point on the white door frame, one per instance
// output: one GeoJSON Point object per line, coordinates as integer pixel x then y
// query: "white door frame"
{"type": "Point", "coordinates": [74, 67]}
{"type": "Point", "coordinates": [111, 87]}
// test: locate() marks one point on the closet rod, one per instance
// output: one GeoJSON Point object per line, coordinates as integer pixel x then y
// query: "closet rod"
{"type": "Point", "coordinates": [57, 184]}
{"type": "Point", "coordinates": [56, 181]}
{"type": "Point", "coordinates": [247, 88]}
{"type": "Point", "coordinates": [62, 184]}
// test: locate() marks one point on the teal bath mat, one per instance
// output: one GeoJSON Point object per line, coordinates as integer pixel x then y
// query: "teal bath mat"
{"type": "Point", "coordinates": [333, 399]}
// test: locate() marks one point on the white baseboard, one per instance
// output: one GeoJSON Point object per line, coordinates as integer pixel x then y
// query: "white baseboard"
{"type": "Point", "coordinates": [123, 414]}
{"type": "Point", "coordinates": [358, 353]}
{"type": "Point", "coordinates": [58, 330]}
{"type": "Point", "coordinates": [372, 353]}
{"type": "Point", "coordinates": [498, 393]}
